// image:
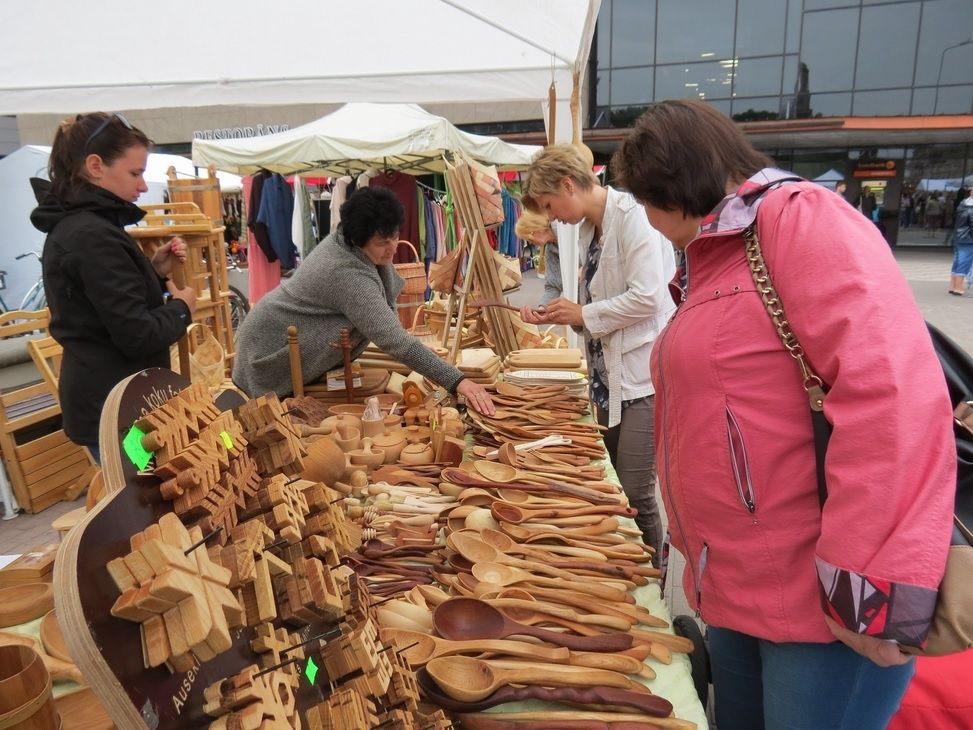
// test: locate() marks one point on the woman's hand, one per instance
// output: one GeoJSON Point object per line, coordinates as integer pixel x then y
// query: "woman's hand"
{"type": "Point", "coordinates": [532, 315]}
{"type": "Point", "coordinates": [476, 397]}
{"type": "Point", "coordinates": [563, 311]}
{"type": "Point", "coordinates": [881, 651]}
{"type": "Point", "coordinates": [167, 254]}
{"type": "Point", "coordinates": [186, 295]}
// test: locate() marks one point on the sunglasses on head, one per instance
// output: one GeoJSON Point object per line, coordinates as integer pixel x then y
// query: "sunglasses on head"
{"type": "Point", "coordinates": [103, 126]}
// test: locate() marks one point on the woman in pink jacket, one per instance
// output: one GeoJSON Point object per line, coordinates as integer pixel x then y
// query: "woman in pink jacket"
{"type": "Point", "coordinates": [804, 603]}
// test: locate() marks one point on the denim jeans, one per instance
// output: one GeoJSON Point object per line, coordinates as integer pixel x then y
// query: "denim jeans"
{"type": "Point", "coordinates": [760, 684]}
{"type": "Point", "coordinates": [95, 454]}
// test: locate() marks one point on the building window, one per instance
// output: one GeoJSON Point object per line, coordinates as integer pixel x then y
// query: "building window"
{"type": "Point", "coordinates": [694, 30]}
{"type": "Point", "coordinates": [631, 86]}
{"type": "Point", "coordinates": [633, 33]}
{"type": "Point", "coordinates": [886, 48]}
{"type": "Point", "coordinates": [757, 76]}
{"type": "Point", "coordinates": [760, 27]}
{"type": "Point", "coordinates": [694, 80]}
{"type": "Point", "coordinates": [828, 49]}
{"type": "Point", "coordinates": [881, 103]}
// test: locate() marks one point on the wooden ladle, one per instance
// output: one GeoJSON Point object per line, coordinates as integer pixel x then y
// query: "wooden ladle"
{"type": "Point", "coordinates": [470, 680]}
{"type": "Point", "coordinates": [428, 647]}
{"type": "Point", "coordinates": [58, 669]}
{"type": "Point", "coordinates": [464, 619]}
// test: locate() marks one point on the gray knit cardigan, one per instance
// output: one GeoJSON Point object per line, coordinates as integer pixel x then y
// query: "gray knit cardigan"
{"type": "Point", "coordinates": [336, 286]}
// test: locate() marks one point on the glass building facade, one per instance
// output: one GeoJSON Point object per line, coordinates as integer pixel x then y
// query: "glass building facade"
{"type": "Point", "coordinates": [778, 59]}
{"type": "Point", "coordinates": [762, 60]}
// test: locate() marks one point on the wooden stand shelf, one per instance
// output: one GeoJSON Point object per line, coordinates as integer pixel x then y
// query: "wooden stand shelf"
{"type": "Point", "coordinates": [205, 268]}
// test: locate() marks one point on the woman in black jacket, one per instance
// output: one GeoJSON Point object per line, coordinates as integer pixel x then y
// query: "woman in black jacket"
{"type": "Point", "coordinates": [113, 310]}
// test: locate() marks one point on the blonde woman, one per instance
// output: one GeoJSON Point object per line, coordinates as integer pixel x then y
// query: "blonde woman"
{"type": "Point", "coordinates": [624, 304]}
{"type": "Point", "coordinates": [536, 229]}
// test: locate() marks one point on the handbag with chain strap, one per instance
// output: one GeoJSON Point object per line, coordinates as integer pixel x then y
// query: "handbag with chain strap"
{"type": "Point", "coordinates": [951, 629]}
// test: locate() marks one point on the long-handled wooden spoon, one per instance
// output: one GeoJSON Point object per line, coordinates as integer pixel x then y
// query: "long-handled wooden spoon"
{"type": "Point", "coordinates": [423, 647]}
{"type": "Point", "coordinates": [468, 679]}
{"type": "Point", "coordinates": [461, 619]}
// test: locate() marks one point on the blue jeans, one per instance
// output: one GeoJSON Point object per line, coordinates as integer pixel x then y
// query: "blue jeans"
{"type": "Point", "coordinates": [95, 454]}
{"type": "Point", "coordinates": [760, 684]}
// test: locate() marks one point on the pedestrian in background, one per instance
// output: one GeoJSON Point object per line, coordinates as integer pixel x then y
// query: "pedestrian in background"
{"type": "Point", "coordinates": [962, 245]}
{"type": "Point", "coordinates": [777, 576]}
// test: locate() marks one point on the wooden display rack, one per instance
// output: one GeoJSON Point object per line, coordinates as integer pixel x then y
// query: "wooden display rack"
{"type": "Point", "coordinates": [41, 468]}
{"type": "Point", "coordinates": [482, 273]}
{"type": "Point", "coordinates": [205, 268]}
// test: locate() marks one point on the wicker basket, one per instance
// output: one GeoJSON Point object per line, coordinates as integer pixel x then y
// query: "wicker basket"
{"type": "Point", "coordinates": [413, 293]}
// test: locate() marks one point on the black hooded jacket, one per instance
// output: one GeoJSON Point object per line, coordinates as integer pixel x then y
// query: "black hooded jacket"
{"type": "Point", "coordinates": [106, 300]}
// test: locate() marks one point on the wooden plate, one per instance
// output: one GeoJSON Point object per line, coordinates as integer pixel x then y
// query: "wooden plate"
{"type": "Point", "coordinates": [52, 639]}
{"type": "Point", "coordinates": [82, 711]}
{"type": "Point", "coordinates": [23, 603]}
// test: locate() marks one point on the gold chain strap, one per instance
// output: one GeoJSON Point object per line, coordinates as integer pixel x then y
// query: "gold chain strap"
{"type": "Point", "coordinates": [771, 299]}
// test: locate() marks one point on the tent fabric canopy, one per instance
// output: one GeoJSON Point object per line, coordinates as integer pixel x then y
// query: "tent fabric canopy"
{"type": "Point", "coordinates": [357, 137]}
{"type": "Point", "coordinates": [422, 51]}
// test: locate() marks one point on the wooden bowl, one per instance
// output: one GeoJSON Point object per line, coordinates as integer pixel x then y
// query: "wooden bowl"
{"type": "Point", "coordinates": [354, 409]}
{"type": "Point", "coordinates": [325, 462]}
{"type": "Point", "coordinates": [23, 603]}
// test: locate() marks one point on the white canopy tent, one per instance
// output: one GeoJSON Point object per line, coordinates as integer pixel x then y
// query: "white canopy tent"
{"type": "Point", "coordinates": [422, 51]}
{"type": "Point", "coordinates": [829, 179]}
{"type": "Point", "coordinates": [402, 137]}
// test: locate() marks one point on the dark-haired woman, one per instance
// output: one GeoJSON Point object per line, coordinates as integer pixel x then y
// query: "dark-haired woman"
{"type": "Point", "coordinates": [804, 603]}
{"type": "Point", "coordinates": [112, 309]}
{"type": "Point", "coordinates": [347, 281]}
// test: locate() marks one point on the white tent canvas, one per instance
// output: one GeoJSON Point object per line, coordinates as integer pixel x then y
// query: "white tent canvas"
{"type": "Point", "coordinates": [829, 179]}
{"type": "Point", "coordinates": [299, 52]}
{"type": "Point", "coordinates": [357, 137]}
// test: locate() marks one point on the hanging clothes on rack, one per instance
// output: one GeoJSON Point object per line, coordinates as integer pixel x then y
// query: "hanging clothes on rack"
{"type": "Point", "coordinates": [276, 212]}
{"type": "Point", "coordinates": [263, 275]}
{"type": "Point", "coordinates": [339, 194]}
{"type": "Point", "coordinates": [261, 234]}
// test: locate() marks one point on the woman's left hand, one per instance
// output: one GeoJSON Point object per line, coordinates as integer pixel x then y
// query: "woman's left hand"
{"type": "Point", "coordinates": [881, 651]}
{"type": "Point", "coordinates": [563, 311]}
{"type": "Point", "coordinates": [167, 254]}
{"type": "Point", "coordinates": [476, 397]}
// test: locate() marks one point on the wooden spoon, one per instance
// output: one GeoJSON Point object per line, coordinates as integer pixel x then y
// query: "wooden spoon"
{"type": "Point", "coordinates": [428, 647]}
{"type": "Point", "coordinates": [477, 551]}
{"type": "Point", "coordinates": [506, 575]}
{"type": "Point", "coordinates": [464, 619]}
{"type": "Point", "coordinates": [528, 612]}
{"type": "Point", "coordinates": [515, 514]}
{"type": "Point", "coordinates": [591, 698]}
{"type": "Point", "coordinates": [571, 720]}
{"type": "Point", "coordinates": [507, 545]}
{"type": "Point", "coordinates": [470, 680]}
{"type": "Point", "coordinates": [621, 663]}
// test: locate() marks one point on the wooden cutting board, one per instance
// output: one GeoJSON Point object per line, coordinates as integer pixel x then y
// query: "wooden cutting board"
{"type": "Point", "coordinates": [52, 639]}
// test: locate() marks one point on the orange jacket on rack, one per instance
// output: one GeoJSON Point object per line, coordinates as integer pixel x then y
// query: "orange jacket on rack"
{"type": "Point", "coordinates": [736, 452]}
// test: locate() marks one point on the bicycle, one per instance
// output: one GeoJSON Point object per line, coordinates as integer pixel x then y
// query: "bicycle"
{"type": "Point", "coordinates": [239, 304]}
{"type": "Point", "coordinates": [35, 299]}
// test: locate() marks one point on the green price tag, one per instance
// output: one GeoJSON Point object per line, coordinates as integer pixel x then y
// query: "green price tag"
{"type": "Point", "coordinates": [132, 444]}
{"type": "Point", "coordinates": [311, 670]}
{"type": "Point", "coordinates": [227, 441]}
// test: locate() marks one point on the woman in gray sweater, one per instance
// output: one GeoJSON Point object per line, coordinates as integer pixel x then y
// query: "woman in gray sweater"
{"type": "Point", "coordinates": [347, 281]}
